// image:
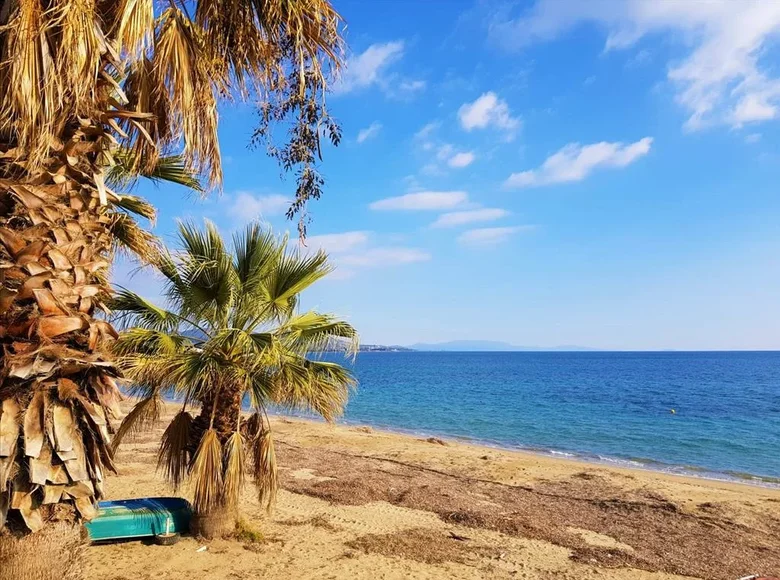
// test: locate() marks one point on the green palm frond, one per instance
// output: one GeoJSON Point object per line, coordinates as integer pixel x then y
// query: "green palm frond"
{"type": "Point", "coordinates": [128, 235]}
{"type": "Point", "coordinates": [128, 168]}
{"type": "Point", "coordinates": [133, 310]}
{"type": "Point", "coordinates": [317, 386]}
{"type": "Point", "coordinates": [137, 205]}
{"type": "Point", "coordinates": [312, 332]}
{"type": "Point", "coordinates": [150, 342]}
{"type": "Point", "coordinates": [256, 254]}
{"type": "Point", "coordinates": [294, 273]}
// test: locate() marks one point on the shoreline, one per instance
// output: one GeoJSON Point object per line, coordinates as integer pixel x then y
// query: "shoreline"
{"type": "Point", "coordinates": [639, 464]}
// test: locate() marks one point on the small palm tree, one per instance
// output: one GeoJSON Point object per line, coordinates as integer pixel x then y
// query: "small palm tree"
{"type": "Point", "coordinates": [233, 332]}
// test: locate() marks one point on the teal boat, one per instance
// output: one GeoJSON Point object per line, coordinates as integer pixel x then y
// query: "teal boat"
{"type": "Point", "coordinates": [161, 518]}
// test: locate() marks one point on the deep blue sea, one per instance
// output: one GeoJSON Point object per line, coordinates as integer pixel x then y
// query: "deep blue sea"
{"type": "Point", "coordinates": [604, 406]}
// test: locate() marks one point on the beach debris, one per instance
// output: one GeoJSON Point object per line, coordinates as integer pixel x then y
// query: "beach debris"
{"type": "Point", "coordinates": [363, 429]}
{"type": "Point", "coordinates": [202, 549]}
{"type": "Point", "coordinates": [435, 441]}
{"type": "Point", "coordinates": [455, 536]}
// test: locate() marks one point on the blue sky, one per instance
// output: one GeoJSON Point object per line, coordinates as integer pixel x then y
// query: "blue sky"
{"type": "Point", "coordinates": [547, 172]}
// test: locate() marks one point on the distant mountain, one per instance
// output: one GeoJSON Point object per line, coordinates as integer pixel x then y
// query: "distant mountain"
{"type": "Point", "coordinates": [493, 346]}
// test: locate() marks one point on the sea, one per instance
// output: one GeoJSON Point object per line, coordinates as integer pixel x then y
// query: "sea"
{"type": "Point", "coordinates": [708, 414]}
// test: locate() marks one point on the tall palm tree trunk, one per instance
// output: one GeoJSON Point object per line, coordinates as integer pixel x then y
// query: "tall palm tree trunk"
{"type": "Point", "coordinates": [57, 388]}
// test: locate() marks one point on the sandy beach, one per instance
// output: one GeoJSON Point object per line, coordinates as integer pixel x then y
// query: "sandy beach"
{"type": "Point", "coordinates": [360, 503]}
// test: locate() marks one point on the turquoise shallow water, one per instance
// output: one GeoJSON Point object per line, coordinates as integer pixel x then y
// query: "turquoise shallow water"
{"type": "Point", "coordinates": [611, 407]}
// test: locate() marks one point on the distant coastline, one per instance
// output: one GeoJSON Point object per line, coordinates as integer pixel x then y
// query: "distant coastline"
{"type": "Point", "coordinates": [494, 346]}
{"type": "Point", "coordinates": [383, 348]}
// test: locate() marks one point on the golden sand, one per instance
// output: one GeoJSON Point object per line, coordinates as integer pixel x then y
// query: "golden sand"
{"type": "Point", "coordinates": [361, 503]}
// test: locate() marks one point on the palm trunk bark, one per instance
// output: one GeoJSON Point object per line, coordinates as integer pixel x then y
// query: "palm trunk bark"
{"type": "Point", "coordinates": [57, 387]}
{"type": "Point", "coordinates": [54, 553]}
{"type": "Point", "coordinates": [221, 520]}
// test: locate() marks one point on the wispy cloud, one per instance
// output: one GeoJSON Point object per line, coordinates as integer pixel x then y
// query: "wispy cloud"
{"type": "Point", "coordinates": [575, 162]}
{"type": "Point", "coordinates": [367, 68]}
{"type": "Point", "coordinates": [426, 131]}
{"type": "Point", "coordinates": [422, 200]}
{"type": "Point", "coordinates": [338, 243]}
{"type": "Point", "coordinates": [459, 218]}
{"type": "Point", "coordinates": [491, 236]}
{"type": "Point", "coordinates": [411, 86]}
{"type": "Point", "coordinates": [369, 132]}
{"type": "Point", "coordinates": [753, 138]}
{"type": "Point", "coordinates": [246, 206]}
{"type": "Point", "coordinates": [462, 159]}
{"type": "Point", "coordinates": [721, 80]}
{"type": "Point", "coordinates": [488, 111]}
{"type": "Point", "coordinates": [443, 153]}
{"type": "Point", "coordinates": [354, 251]}
{"type": "Point", "coordinates": [385, 256]}
{"type": "Point", "coordinates": [372, 67]}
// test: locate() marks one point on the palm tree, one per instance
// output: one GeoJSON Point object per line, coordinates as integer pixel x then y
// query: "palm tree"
{"type": "Point", "coordinates": [92, 93]}
{"type": "Point", "coordinates": [234, 332]}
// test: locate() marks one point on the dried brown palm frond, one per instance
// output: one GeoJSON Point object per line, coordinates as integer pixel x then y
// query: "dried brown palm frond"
{"type": "Point", "coordinates": [235, 468]}
{"type": "Point", "coordinates": [183, 65]}
{"type": "Point", "coordinates": [172, 457]}
{"type": "Point", "coordinates": [264, 469]}
{"type": "Point", "coordinates": [28, 108]}
{"type": "Point", "coordinates": [135, 26]}
{"type": "Point", "coordinates": [80, 50]}
{"type": "Point", "coordinates": [146, 137]}
{"type": "Point", "coordinates": [143, 416]}
{"type": "Point", "coordinates": [206, 473]}
{"type": "Point", "coordinates": [252, 427]}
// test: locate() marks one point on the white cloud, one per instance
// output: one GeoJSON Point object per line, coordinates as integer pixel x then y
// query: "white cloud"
{"type": "Point", "coordinates": [491, 236]}
{"type": "Point", "coordinates": [246, 206]}
{"type": "Point", "coordinates": [338, 243]}
{"type": "Point", "coordinates": [459, 218]}
{"type": "Point", "coordinates": [368, 67]}
{"type": "Point", "coordinates": [753, 108]}
{"type": "Point", "coordinates": [487, 111]}
{"type": "Point", "coordinates": [411, 86]}
{"type": "Point", "coordinates": [350, 252]}
{"type": "Point", "coordinates": [384, 256]}
{"type": "Point", "coordinates": [422, 200]}
{"type": "Point", "coordinates": [461, 159]}
{"type": "Point", "coordinates": [719, 80]}
{"type": "Point", "coordinates": [369, 132]}
{"type": "Point", "coordinates": [575, 162]}
{"type": "Point", "coordinates": [372, 67]}
{"type": "Point", "coordinates": [753, 138]}
{"type": "Point", "coordinates": [444, 151]}
{"type": "Point", "coordinates": [426, 131]}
